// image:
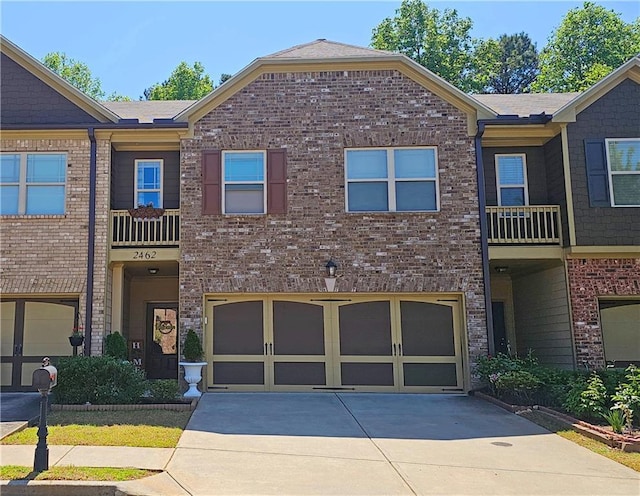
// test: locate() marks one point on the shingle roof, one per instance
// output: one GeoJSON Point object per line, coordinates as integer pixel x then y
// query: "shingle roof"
{"type": "Point", "coordinates": [147, 110]}
{"type": "Point", "coordinates": [525, 104]}
{"type": "Point", "coordinates": [324, 49]}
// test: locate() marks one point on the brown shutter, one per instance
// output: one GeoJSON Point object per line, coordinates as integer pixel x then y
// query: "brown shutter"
{"type": "Point", "coordinates": [211, 174]}
{"type": "Point", "coordinates": [277, 181]}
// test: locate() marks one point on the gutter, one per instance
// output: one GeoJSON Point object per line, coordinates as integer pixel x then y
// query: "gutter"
{"type": "Point", "coordinates": [123, 124]}
{"type": "Point", "coordinates": [91, 239]}
{"type": "Point", "coordinates": [484, 236]}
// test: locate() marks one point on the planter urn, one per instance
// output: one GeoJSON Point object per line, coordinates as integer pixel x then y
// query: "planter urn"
{"type": "Point", "coordinates": [192, 375]}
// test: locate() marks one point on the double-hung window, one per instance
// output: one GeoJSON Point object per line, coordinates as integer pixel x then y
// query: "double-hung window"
{"type": "Point", "coordinates": [244, 181]}
{"type": "Point", "coordinates": [148, 181]}
{"type": "Point", "coordinates": [391, 180]}
{"type": "Point", "coordinates": [32, 183]}
{"type": "Point", "coordinates": [623, 158]}
{"type": "Point", "coordinates": [511, 179]}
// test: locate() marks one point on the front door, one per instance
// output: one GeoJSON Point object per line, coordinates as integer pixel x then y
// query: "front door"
{"type": "Point", "coordinates": [162, 339]}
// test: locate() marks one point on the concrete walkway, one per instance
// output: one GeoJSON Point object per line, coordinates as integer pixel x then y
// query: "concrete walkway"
{"type": "Point", "coordinates": [346, 443]}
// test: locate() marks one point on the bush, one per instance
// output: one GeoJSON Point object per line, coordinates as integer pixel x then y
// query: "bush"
{"type": "Point", "coordinates": [192, 347]}
{"type": "Point", "coordinates": [163, 390]}
{"type": "Point", "coordinates": [98, 380]}
{"type": "Point", "coordinates": [587, 399]}
{"type": "Point", "coordinates": [115, 346]}
{"type": "Point", "coordinates": [627, 395]}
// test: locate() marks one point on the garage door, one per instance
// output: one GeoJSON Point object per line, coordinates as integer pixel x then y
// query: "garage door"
{"type": "Point", "coordinates": [29, 331]}
{"type": "Point", "coordinates": [397, 343]}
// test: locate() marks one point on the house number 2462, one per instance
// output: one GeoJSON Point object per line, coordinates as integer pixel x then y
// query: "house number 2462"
{"type": "Point", "coordinates": [144, 255]}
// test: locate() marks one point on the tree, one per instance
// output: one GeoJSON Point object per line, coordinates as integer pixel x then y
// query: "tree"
{"type": "Point", "coordinates": [224, 77]}
{"type": "Point", "coordinates": [184, 83]}
{"type": "Point", "coordinates": [439, 41]}
{"type": "Point", "coordinates": [115, 97]}
{"type": "Point", "coordinates": [74, 72]}
{"type": "Point", "coordinates": [506, 65]}
{"type": "Point", "coordinates": [590, 42]}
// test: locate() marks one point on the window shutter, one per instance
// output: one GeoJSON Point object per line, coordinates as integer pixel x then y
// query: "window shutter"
{"type": "Point", "coordinates": [597, 173]}
{"type": "Point", "coordinates": [277, 181]}
{"type": "Point", "coordinates": [211, 187]}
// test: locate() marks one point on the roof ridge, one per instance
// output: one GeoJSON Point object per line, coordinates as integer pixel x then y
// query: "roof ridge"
{"type": "Point", "coordinates": [325, 41]}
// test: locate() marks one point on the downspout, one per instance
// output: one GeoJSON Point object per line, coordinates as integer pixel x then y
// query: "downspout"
{"type": "Point", "coordinates": [484, 237]}
{"type": "Point", "coordinates": [91, 239]}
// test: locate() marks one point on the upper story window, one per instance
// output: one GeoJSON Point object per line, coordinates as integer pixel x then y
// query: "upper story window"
{"type": "Point", "coordinates": [148, 183]}
{"type": "Point", "coordinates": [244, 178]}
{"type": "Point", "coordinates": [32, 183]}
{"type": "Point", "coordinates": [511, 180]}
{"type": "Point", "coordinates": [391, 180]}
{"type": "Point", "coordinates": [623, 159]}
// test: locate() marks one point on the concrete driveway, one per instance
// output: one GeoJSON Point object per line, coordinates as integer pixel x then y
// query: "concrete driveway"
{"type": "Point", "coordinates": [346, 443]}
{"type": "Point", "coordinates": [17, 409]}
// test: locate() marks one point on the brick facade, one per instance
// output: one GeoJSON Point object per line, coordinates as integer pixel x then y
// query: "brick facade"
{"type": "Point", "coordinates": [588, 280]}
{"type": "Point", "coordinates": [47, 254]}
{"type": "Point", "coordinates": [315, 116]}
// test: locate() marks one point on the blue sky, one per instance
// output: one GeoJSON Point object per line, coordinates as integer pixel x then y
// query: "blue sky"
{"type": "Point", "coordinates": [132, 45]}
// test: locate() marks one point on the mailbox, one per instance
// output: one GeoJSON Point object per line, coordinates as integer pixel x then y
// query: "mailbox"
{"type": "Point", "coordinates": [45, 377]}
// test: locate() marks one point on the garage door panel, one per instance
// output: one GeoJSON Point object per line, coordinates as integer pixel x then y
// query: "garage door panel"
{"type": "Point", "coordinates": [430, 374]}
{"type": "Point", "coordinates": [298, 329]}
{"type": "Point", "coordinates": [46, 328]}
{"type": "Point", "coordinates": [365, 328]}
{"type": "Point", "coordinates": [238, 373]}
{"type": "Point", "coordinates": [299, 374]}
{"type": "Point", "coordinates": [367, 374]}
{"type": "Point", "coordinates": [238, 329]}
{"type": "Point", "coordinates": [427, 329]}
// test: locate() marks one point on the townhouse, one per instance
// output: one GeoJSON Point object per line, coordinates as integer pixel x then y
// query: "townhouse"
{"type": "Point", "coordinates": [331, 218]}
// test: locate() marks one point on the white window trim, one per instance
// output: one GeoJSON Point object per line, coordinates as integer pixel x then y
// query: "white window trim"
{"type": "Point", "coordinates": [263, 182]}
{"type": "Point", "coordinates": [611, 173]}
{"type": "Point", "coordinates": [135, 181]}
{"type": "Point", "coordinates": [525, 185]}
{"type": "Point", "coordinates": [391, 180]}
{"type": "Point", "coordinates": [22, 181]}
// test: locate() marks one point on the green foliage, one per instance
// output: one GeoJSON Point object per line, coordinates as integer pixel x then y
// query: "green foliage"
{"type": "Point", "coordinates": [627, 395]}
{"type": "Point", "coordinates": [192, 347]}
{"type": "Point", "coordinates": [164, 390]}
{"type": "Point", "coordinates": [587, 399]}
{"type": "Point", "coordinates": [98, 380]}
{"type": "Point", "coordinates": [115, 346]}
{"type": "Point", "coordinates": [506, 65]}
{"type": "Point", "coordinates": [590, 42]}
{"type": "Point", "coordinates": [75, 73]}
{"type": "Point", "coordinates": [184, 83]}
{"type": "Point", "coordinates": [115, 97]}
{"type": "Point", "coordinates": [616, 420]}
{"type": "Point", "coordinates": [439, 41]}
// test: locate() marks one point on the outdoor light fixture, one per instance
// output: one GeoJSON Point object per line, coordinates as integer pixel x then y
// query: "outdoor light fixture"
{"type": "Point", "coordinates": [331, 276]}
{"type": "Point", "coordinates": [153, 270]}
{"type": "Point", "coordinates": [331, 268]}
{"type": "Point", "coordinates": [501, 269]}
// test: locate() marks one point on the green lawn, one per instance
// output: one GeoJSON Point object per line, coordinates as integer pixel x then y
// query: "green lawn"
{"type": "Point", "coordinates": [15, 472]}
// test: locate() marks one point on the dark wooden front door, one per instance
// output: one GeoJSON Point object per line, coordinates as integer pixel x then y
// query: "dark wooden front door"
{"type": "Point", "coordinates": [499, 327]}
{"type": "Point", "coordinates": [162, 341]}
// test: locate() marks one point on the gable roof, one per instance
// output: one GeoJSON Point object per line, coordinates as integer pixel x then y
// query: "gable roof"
{"type": "Point", "coordinates": [322, 55]}
{"type": "Point", "coordinates": [323, 48]}
{"type": "Point", "coordinates": [628, 70]}
{"type": "Point", "coordinates": [526, 104]}
{"type": "Point", "coordinates": [148, 110]}
{"type": "Point", "coordinates": [50, 78]}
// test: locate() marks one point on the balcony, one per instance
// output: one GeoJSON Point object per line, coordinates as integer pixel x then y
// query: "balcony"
{"type": "Point", "coordinates": [129, 232]}
{"type": "Point", "coordinates": [527, 225]}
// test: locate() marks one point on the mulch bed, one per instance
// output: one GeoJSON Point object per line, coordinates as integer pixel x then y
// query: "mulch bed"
{"type": "Point", "coordinates": [624, 442]}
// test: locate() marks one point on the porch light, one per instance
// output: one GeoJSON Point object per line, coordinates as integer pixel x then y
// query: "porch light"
{"type": "Point", "coordinates": [153, 270]}
{"type": "Point", "coordinates": [501, 269]}
{"type": "Point", "coordinates": [331, 268]}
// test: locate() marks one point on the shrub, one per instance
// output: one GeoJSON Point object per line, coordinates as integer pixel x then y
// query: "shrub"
{"type": "Point", "coordinates": [192, 347]}
{"type": "Point", "coordinates": [115, 346]}
{"type": "Point", "coordinates": [164, 390]}
{"type": "Point", "coordinates": [587, 398]}
{"type": "Point", "coordinates": [627, 395]}
{"type": "Point", "coordinates": [98, 380]}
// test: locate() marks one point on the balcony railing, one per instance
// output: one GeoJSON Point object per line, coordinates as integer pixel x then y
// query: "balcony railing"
{"type": "Point", "coordinates": [533, 224]}
{"type": "Point", "coordinates": [127, 231]}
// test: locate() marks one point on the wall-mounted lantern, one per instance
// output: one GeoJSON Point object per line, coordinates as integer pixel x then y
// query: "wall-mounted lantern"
{"type": "Point", "coordinates": [331, 275]}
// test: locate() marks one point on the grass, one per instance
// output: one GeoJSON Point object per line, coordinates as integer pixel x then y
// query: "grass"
{"type": "Point", "coordinates": [631, 460]}
{"type": "Point", "coordinates": [15, 472]}
{"type": "Point", "coordinates": [141, 428]}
